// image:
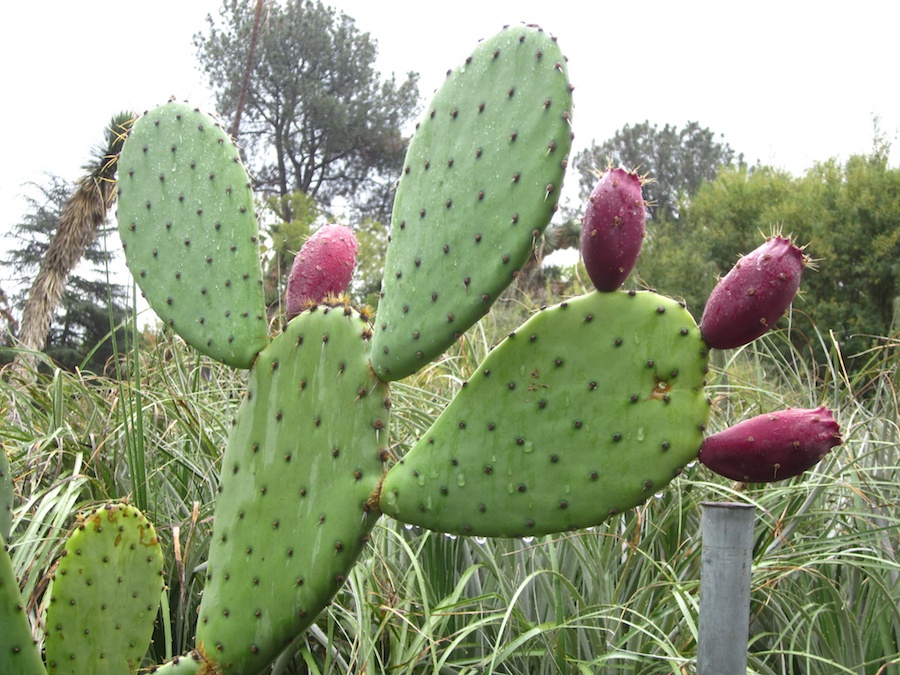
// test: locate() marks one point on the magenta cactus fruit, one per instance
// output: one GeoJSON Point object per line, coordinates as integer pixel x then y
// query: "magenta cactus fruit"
{"type": "Point", "coordinates": [612, 229]}
{"type": "Point", "coordinates": [323, 266]}
{"type": "Point", "coordinates": [771, 447]}
{"type": "Point", "coordinates": [751, 298]}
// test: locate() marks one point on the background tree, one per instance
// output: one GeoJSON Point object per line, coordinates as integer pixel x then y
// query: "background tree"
{"type": "Point", "coordinates": [75, 224]}
{"type": "Point", "coordinates": [318, 118]}
{"type": "Point", "coordinates": [684, 256]}
{"type": "Point", "coordinates": [677, 160]}
{"type": "Point", "coordinates": [846, 213]}
{"type": "Point", "coordinates": [79, 310]}
{"type": "Point", "coordinates": [9, 326]}
{"type": "Point", "coordinates": [372, 237]}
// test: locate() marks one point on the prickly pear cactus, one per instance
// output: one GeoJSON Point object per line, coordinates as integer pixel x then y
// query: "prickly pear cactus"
{"type": "Point", "coordinates": [6, 496]}
{"type": "Point", "coordinates": [480, 182]}
{"type": "Point", "coordinates": [105, 594]}
{"type": "Point", "coordinates": [293, 513]}
{"type": "Point", "coordinates": [18, 651]}
{"type": "Point", "coordinates": [189, 231]}
{"type": "Point", "coordinates": [191, 664]}
{"type": "Point", "coordinates": [586, 410]}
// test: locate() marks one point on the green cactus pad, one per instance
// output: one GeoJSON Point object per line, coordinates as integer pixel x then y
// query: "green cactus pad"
{"type": "Point", "coordinates": [183, 665]}
{"type": "Point", "coordinates": [481, 181]}
{"type": "Point", "coordinates": [586, 410]}
{"type": "Point", "coordinates": [189, 230]}
{"type": "Point", "coordinates": [302, 460]}
{"type": "Point", "coordinates": [105, 594]}
{"type": "Point", "coordinates": [18, 652]}
{"type": "Point", "coordinates": [6, 496]}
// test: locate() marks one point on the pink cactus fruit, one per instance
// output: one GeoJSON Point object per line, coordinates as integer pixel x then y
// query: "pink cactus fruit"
{"type": "Point", "coordinates": [771, 447]}
{"type": "Point", "coordinates": [322, 267]}
{"type": "Point", "coordinates": [612, 229]}
{"type": "Point", "coordinates": [751, 298]}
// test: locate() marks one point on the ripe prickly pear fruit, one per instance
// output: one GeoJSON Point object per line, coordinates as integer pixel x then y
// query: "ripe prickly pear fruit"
{"type": "Point", "coordinates": [613, 228]}
{"type": "Point", "coordinates": [323, 266]}
{"type": "Point", "coordinates": [749, 300]}
{"type": "Point", "coordinates": [771, 447]}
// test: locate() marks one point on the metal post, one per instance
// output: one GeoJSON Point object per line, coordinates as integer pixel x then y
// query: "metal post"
{"type": "Point", "coordinates": [727, 554]}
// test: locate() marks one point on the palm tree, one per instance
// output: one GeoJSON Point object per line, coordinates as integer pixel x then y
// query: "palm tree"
{"type": "Point", "coordinates": [82, 215]}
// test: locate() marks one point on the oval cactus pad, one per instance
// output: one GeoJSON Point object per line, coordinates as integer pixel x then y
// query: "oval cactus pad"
{"type": "Point", "coordinates": [586, 410]}
{"type": "Point", "coordinates": [189, 231]}
{"type": "Point", "coordinates": [481, 181]}
{"type": "Point", "coordinates": [105, 594]}
{"type": "Point", "coordinates": [292, 514]}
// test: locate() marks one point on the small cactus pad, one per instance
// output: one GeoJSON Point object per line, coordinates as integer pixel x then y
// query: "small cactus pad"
{"type": "Point", "coordinates": [105, 594]}
{"type": "Point", "coordinates": [6, 496]}
{"type": "Point", "coordinates": [586, 410]}
{"type": "Point", "coordinates": [18, 652]}
{"type": "Point", "coordinates": [481, 181]}
{"type": "Point", "coordinates": [303, 458]}
{"type": "Point", "coordinates": [189, 231]}
{"type": "Point", "coordinates": [190, 664]}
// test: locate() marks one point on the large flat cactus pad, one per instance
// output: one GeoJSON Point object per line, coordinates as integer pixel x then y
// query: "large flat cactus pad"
{"type": "Point", "coordinates": [589, 408]}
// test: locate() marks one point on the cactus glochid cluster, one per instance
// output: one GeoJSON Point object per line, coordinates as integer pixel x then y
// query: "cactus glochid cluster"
{"type": "Point", "coordinates": [584, 411]}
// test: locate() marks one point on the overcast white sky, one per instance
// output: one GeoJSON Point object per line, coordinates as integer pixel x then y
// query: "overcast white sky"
{"type": "Point", "coordinates": [787, 83]}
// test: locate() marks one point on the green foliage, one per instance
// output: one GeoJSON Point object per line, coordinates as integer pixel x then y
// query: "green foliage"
{"type": "Point", "coordinates": [305, 450]}
{"type": "Point", "coordinates": [619, 598]}
{"type": "Point", "coordinates": [6, 496]}
{"type": "Point", "coordinates": [372, 237]}
{"type": "Point", "coordinates": [318, 118]}
{"type": "Point", "coordinates": [848, 216]}
{"type": "Point", "coordinates": [678, 161]}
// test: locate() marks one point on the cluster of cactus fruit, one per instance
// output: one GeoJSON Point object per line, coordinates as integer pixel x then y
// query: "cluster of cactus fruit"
{"type": "Point", "coordinates": [584, 411]}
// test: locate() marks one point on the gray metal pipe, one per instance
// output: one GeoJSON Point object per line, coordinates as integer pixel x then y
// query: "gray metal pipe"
{"type": "Point", "coordinates": [725, 562]}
